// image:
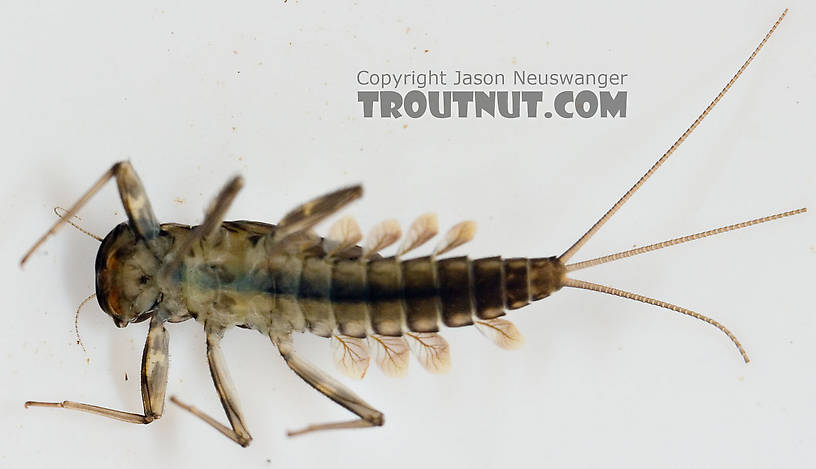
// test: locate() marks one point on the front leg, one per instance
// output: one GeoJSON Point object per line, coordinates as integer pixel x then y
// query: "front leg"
{"type": "Point", "coordinates": [226, 391]}
{"type": "Point", "coordinates": [134, 199]}
{"type": "Point", "coordinates": [154, 382]}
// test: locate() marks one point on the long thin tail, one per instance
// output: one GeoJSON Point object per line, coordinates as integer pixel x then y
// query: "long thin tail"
{"type": "Point", "coordinates": [645, 299]}
{"type": "Point", "coordinates": [575, 283]}
{"type": "Point", "coordinates": [597, 226]}
{"type": "Point", "coordinates": [680, 240]}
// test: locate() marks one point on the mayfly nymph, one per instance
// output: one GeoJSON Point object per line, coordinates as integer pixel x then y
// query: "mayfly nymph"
{"type": "Point", "coordinates": [283, 278]}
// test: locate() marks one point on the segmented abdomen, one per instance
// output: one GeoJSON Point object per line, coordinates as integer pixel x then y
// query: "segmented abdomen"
{"type": "Point", "coordinates": [389, 296]}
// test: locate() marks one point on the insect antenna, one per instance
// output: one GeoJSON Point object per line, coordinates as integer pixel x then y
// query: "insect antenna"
{"type": "Point", "coordinates": [569, 282]}
{"type": "Point", "coordinates": [63, 215]}
{"type": "Point", "coordinates": [61, 212]}
{"type": "Point", "coordinates": [597, 226]}
{"type": "Point", "coordinates": [683, 239]}
{"type": "Point", "coordinates": [76, 322]}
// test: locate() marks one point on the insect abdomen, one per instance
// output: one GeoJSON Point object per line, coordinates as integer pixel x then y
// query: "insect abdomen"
{"type": "Point", "coordinates": [389, 297]}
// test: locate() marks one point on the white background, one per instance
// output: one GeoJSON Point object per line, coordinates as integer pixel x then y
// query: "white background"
{"type": "Point", "coordinates": [601, 382]}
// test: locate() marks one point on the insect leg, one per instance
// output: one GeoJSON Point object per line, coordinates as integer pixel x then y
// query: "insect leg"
{"type": "Point", "coordinates": [134, 199]}
{"type": "Point", "coordinates": [212, 220]}
{"type": "Point", "coordinates": [312, 212]}
{"type": "Point", "coordinates": [154, 382]}
{"type": "Point", "coordinates": [226, 391]}
{"type": "Point", "coordinates": [331, 388]}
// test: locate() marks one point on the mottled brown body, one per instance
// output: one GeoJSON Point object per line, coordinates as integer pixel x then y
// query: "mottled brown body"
{"type": "Point", "coordinates": [239, 276]}
{"type": "Point", "coordinates": [282, 278]}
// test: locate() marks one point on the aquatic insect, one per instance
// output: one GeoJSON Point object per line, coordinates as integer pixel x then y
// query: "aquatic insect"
{"type": "Point", "coordinates": [283, 278]}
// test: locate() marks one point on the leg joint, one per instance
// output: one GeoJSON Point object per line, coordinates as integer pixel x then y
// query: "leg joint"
{"type": "Point", "coordinates": [376, 419]}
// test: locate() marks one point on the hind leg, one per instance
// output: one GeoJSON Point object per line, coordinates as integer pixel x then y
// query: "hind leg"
{"type": "Point", "coordinates": [334, 390]}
